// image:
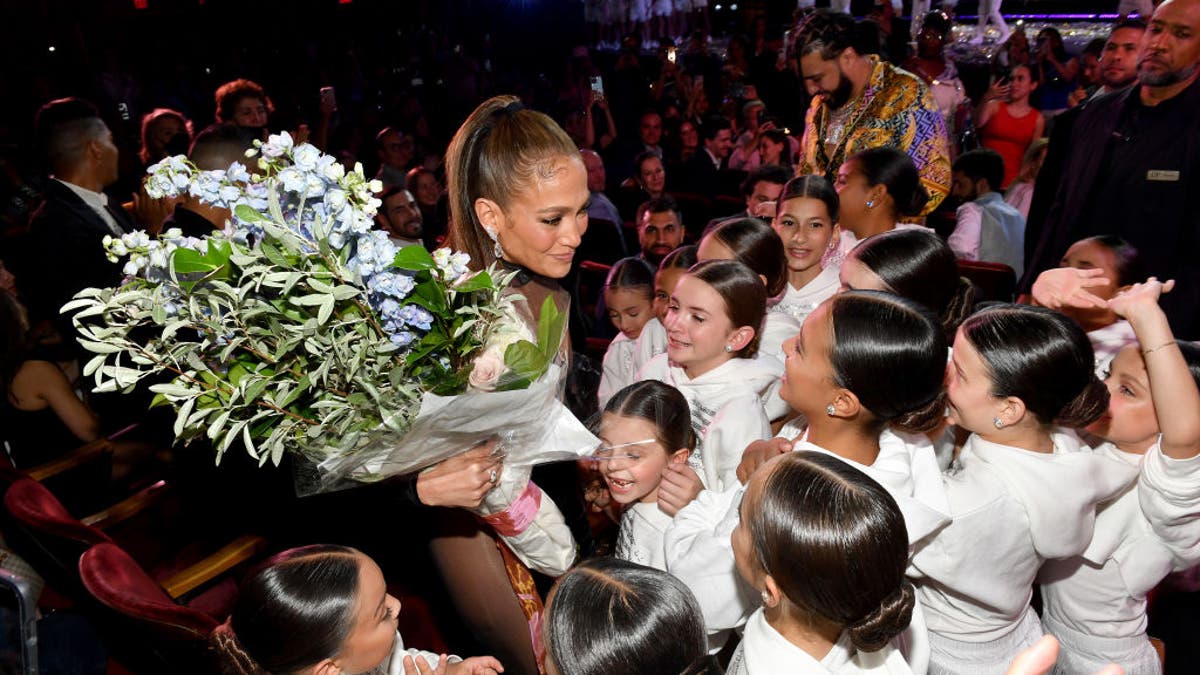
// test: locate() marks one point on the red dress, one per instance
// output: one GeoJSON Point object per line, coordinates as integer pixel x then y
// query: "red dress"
{"type": "Point", "coordinates": [1010, 136]}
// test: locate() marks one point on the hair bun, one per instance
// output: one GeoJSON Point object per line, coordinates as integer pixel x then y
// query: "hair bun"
{"type": "Point", "coordinates": [923, 419]}
{"type": "Point", "coordinates": [1085, 408]}
{"type": "Point", "coordinates": [893, 615]}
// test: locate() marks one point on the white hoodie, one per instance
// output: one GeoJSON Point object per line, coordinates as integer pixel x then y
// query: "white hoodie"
{"type": "Point", "coordinates": [727, 411]}
{"type": "Point", "coordinates": [764, 651]}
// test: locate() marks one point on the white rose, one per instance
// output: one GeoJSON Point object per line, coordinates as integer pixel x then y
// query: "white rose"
{"type": "Point", "coordinates": [486, 371]}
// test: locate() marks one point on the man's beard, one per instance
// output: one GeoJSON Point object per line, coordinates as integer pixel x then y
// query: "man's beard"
{"type": "Point", "coordinates": [840, 96]}
{"type": "Point", "coordinates": [1166, 79]}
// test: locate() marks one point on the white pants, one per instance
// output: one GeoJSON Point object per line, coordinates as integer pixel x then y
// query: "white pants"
{"type": "Point", "coordinates": [990, 10]}
{"type": "Point", "coordinates": [1083, 654]}
{"type": "Point", "coordinates": [956, 657]}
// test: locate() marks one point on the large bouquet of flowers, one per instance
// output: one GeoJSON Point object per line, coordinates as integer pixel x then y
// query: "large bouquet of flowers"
{"type": "Point", "coordinates": [301, 328]}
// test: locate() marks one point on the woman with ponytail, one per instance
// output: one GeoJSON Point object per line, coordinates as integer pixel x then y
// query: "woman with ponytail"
{"type": "Point", "coordinates": [1022, 491]}
{"type": "Point", "coordinates": [824, 546]}
{"type": "Point", "coordinates": [324, 610]}
{"type": "Point", "coordinates": [518, 198]}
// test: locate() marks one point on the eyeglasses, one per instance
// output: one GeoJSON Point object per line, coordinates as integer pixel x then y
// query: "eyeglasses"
{"type": "Point", "coordinates": [604, 453]}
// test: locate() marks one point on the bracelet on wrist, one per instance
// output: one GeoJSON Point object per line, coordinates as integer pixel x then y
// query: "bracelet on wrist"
{"type": "Point", "coordinates": [1147, 352]}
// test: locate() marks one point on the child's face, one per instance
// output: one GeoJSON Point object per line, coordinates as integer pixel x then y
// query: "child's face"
{"type": "Point", "coordinates": [375, 620]}
{"type": "Point", "coordinates": [664, 286]}
{"type": "Point", "coordinates": [698, 327]}
{"type": "Point", "coordinates": [972, 405]}
{"type": "Point", "coordinates": [634, 471]}
{"type": "Point", "coordinates": [629, 309]}
{"type": "Point", "coordinates": [1087, 255]}
{"type": "Point", "coordinates": [804, 225]}
{"type": "Point", "coordinates": [808, 378]}
{"type": "Point", "coordinates": [1130, 422]}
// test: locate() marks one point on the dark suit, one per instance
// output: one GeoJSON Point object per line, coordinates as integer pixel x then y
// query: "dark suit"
{"type": "Point", "coordinates": [63, 254]}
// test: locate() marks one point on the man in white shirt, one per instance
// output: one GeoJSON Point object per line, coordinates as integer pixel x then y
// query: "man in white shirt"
{"type": "Point", "coordinates": [988, 229]}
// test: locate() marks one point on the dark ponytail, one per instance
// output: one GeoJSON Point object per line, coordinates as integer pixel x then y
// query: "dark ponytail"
{"type": "Point", "coordinates": [496, 153]}
{"type": "Point", "coordinates": [1041, 357]}
{"type": "Point", "coordinates": [895, 170]}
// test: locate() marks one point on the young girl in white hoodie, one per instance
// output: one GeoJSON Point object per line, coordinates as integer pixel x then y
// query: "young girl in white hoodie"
{"type": "Point", "coordinates": [805, 222]}
{"type": "Point", "coordinates": [1023, 490]}
{"type": "Point", "coordinates": [645, 427]}
{"type": "Point", "coordinates": [712, 327]}
{"type": "Point", "coordinates": [1095, 603]}
{"type": "Point", "coordinates": [753, 243]}
{"type": "Point", "coordinates": [824, 545]}
{"type": "Point", "coordinates": [867, 370]}
{"type": "Point", "coordinates": [653, 339]}
{"type": "Point", "coordinates": [629, 296]}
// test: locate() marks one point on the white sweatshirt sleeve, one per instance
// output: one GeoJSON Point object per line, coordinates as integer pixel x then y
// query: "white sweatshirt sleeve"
{"type": "Point", "coordinates": [699, 554]}
{"type": "Point", "coordinates": [1169, 492]}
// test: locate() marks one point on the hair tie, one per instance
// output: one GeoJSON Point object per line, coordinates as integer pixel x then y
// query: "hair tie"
{"type": "Point", "coordinates": [507, 111]}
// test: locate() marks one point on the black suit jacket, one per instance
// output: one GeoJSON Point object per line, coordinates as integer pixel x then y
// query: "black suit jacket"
{"type": "Point", "coordinates": [63, 254]}
{"type": "Point", "coordinates": [700, 176]}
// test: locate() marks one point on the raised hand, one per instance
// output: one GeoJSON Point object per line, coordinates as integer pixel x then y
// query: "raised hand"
{"type": "Point", "coordinates": [680, 485]}
{"type": "Point", "coordinates": [476, 665]}
{"type": "Point", "coordinates": [1067, 287]}
{"type": "Point", "coordinates": [758, 453]}
{"type": "Point", "coordinates": [420, 666]}
{"type": "Point", "coordinates": [1139, 296]}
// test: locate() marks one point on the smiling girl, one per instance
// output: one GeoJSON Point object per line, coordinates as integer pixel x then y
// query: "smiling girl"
{"type": "Point", "coordinates": [1022, 492]}
{"type": "Point", "coordinates": [712, 339]}
{"type": "Point", "coordinates": [653, 339]}
{"type": "Point", "coordinates": [1095, 603]}
{"type": "Point", "coordinates": [645, 427]}
{"type": "Point", "coordinates": [805, 222]}
{"type": "Point", "coordinates": [629, 296]}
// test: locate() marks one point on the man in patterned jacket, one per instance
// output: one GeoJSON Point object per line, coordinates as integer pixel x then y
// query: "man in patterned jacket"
{"type": "Point", "coordinates": [861, 102]}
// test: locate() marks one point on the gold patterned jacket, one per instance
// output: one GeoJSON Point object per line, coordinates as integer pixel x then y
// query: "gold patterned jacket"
{"type": "Point", "coordinates": [896, 109]}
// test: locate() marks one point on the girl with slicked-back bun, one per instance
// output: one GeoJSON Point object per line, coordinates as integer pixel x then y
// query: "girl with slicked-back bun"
{"type": "Point", "coordinates": [824, 545]}
{"type": "Point", "coordinates": [1022, 491]}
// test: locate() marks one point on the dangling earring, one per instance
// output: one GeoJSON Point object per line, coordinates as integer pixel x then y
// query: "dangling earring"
{"type": "Point", "coordinates": [997, 422]}
{"type": "Point", "coordinates": [496, 249]}
{"type": "Point", "coordinates": [728, 349]}
{"type": "Point", "coordinates": [830, 410]}
{"type": "Point", "coordinates": [870, 203]}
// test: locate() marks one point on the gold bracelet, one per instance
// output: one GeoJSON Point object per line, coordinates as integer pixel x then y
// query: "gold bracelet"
{"type": "Point", "coordinates": [1147, 352]}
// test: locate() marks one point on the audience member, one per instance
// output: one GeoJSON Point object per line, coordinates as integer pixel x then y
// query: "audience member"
{"type": "Point", "coordinates": [761, 190]}
{"type": "Point", "coordinates": [987, 228]}
{"type": "Point", "coordinates": [396, 151]}
{"type": "Point", "coordinates": [1118, 70]}
{"type": "Point", "coordinates": [775, 147]}
{"type": "Point", "coordinates": [660, 229]}
{"type": "Point", "coordinates": [1057, 71]}
{"type": "Point", "coordinates": [1020, 192]}
{"type": "Point", "coordinates": [165, 133]}
{"type": "Point", "coordinates": [702, 172]}
{"type": "Point", "coordinates": [1132, 162]}
{"type": "Point", "coordinates": [246, 104]}
{"type": "Point", "coordinates": [431, 199]}
{"type": "Point", "coordinates": [65, 251]}
{"type": "Point", "coordinates": [215, 149]}
{"type": "Point", "coordinates": [863, 103]}
{"type": "Point", "coordinates": [937, 71]}
{"type": "Point", "coordinates": [400, 216]}
{"type": "Point", "coordinates": [1008, 123]}
{"type": "Point", "coordinates": [600, 206]}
